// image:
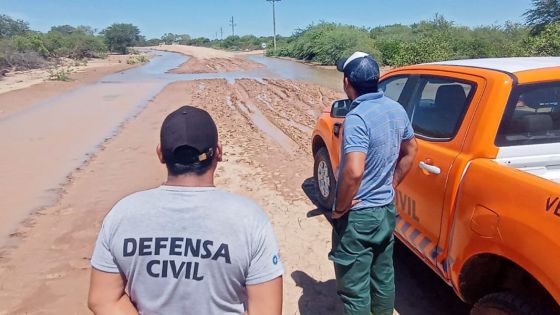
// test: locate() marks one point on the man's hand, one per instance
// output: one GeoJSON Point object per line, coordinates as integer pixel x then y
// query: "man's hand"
{"type": "Point", "coordinates": [351, 179]}
{"type": "Point", "coordinates": [406, 159]}
{"type": "Point", "coordinates": [107, 295]}
{"type": "Point", "coordinates": [337, 215]}
{"type": "Point", "coordinates": [265, 298]}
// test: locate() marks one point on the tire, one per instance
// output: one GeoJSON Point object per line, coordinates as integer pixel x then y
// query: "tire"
{"type": "Point", "coordinates": [325, 183]}
{"type": "Point", "coordinates": [508, 303]}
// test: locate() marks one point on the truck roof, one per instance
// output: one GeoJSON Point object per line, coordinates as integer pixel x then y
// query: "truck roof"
{"type": "Point", "coordinates": [510, 65]}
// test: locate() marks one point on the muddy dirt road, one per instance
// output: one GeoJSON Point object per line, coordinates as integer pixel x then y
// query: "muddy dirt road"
{"type": "Point", "coordinates": [264, 125]}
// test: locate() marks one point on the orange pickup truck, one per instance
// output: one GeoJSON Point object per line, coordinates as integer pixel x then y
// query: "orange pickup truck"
{"type": "Point", "coordinates": [481, 205]}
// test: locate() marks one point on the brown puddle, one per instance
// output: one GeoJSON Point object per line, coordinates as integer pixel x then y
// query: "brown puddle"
{"type": "Point", "coordinates": [44, 144]}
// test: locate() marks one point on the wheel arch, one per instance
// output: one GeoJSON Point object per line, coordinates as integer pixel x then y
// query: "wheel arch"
{"type": "Point", "coordinates": [486, 273]}
{"type": "Point", "coordinates": [317, 144]}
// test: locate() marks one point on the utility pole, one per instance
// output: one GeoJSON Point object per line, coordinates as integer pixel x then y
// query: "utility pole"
{"type": "Point", "coordinates": [274, 19]}
{"type": "Point", "coordinates": [221, 33]}
{"type": "Point", "coordinates": [233, 25]}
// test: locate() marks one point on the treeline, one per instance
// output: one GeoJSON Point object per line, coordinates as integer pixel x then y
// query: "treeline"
{"type": "Point", "coordinates": [246, 42]}
{"type": "Point", "coordinates": [427, 41]}
{"type": "Point", "coordinates": [22, 48]}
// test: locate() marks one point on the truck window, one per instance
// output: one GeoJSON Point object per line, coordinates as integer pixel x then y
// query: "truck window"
{"type": "Point", "coordinates": [400, 89]}
{"type": "Point", "coordinates": [532, 116]}
{"type": "Point", "coordinates": [393, 87]}
{"type": "Point", "coordinates": [439, 106]}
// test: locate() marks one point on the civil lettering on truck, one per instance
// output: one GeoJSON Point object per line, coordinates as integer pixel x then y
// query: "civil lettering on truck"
{"type": "Point", "coordinates": [481, 205]}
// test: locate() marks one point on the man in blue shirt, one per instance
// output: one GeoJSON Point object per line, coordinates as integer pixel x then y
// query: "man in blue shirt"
{"type": "Point", "coordinates": [378, 149]}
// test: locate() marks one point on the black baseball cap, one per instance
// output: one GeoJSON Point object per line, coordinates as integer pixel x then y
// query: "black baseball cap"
{"type": "Point", "coordinates": [188, 135]}
{"type": "Point", "coordinates": [361, 69]}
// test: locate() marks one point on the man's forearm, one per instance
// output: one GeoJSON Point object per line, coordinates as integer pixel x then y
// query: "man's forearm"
{"type": "Point", "coordinates": [346, 193]}
{"type": "Point", "coordinates": [351, 179]}
{"type": "Point", "coordinates": [122, 307]}
{"type": "Point", "coordinates": [403, 167]}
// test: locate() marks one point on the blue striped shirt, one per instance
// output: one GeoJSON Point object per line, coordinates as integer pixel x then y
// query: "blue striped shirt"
{"type": "Point", "coordinates": [376, 126]}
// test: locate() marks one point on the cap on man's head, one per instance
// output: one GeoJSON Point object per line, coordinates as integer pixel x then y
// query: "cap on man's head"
{"type": "Point", "coordinates": [361, 69]}
{"type": "Point", "coordinates": [188, 128]}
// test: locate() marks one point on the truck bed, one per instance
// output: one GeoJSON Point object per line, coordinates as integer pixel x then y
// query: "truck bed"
{"type": "Point", "coordinates": [542, 162]}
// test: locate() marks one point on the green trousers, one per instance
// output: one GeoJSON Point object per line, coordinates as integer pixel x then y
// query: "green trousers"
{"type": "Point", "coordinates": [362, 253]}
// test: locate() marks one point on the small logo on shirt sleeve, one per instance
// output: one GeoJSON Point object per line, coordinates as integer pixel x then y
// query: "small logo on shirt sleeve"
{"type": "Point", "coordinates": [275, 259]}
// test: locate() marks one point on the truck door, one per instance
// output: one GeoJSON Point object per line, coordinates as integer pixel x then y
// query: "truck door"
{"type": "Point", "coordinates": [436, 109]}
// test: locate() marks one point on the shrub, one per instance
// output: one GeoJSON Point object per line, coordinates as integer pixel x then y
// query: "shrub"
{"type": "Point", "coordinates": [76, 45]}
{"type": "Point", "coordinates": [137, 59]}
{"type": "Point", "coordinates": [11, 58]}
{"type": "Point", "coordinates": [31, 42]}
{"type": "Point", "coordinates": [439, 39]}
{"type": "Point", "coordinates": [60, 74]}
{"type": "Point", "coordinates": [327, 42]}
{"type": "Point", "coordinates": [547, 43]}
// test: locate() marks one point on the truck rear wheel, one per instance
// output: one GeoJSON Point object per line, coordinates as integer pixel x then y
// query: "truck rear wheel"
{"type": "Point", "coordinates": [506, 303]}
{"type": "Point", "coordinates": [325, 184]}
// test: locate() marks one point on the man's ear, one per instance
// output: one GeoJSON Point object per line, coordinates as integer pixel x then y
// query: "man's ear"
{"type": "Point", "coordinates": [346, 83]}
{"type": "Point", "coordinates": [219, 152]}
{"type": "Point", "coordinates": [349, 89]}
{"type": "Point", "coordinates": [160, 154]}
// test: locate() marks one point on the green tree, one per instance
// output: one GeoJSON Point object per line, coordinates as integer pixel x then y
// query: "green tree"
{"type": "Point", "coordinates": [200, 41]}
{"type": "Point", "coordinates": [64, 29]}
{"type": "Point", "coordinates": [547, 43]}
{"type": "Point", "coordinates": [543, 13]}
{"type": "Point", "coordinates": [10, 27]}
{"type": "Point", "coordinates": [119, 37]}
{"type": "Point", "coordinates": [183, 39]}
{"type": "Point", "coordinates": [168, 38]}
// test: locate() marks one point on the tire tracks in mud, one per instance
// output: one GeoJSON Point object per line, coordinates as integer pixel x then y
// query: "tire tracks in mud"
{"type": "Point", "coordinates": [291, 108]}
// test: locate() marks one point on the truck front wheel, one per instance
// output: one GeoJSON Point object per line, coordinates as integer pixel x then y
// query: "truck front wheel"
{"type": "Point", "coordinates": [506, 303]}
{"type": "Point", "coordinates": [325, 183]}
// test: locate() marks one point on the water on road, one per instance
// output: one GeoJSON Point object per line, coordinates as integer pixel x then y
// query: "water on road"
{"type": "Point", "coordinates": [44, 143]}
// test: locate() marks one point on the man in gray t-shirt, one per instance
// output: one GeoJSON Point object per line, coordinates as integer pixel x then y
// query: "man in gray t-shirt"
{"type": "Point", "coordinates": [186, 247]}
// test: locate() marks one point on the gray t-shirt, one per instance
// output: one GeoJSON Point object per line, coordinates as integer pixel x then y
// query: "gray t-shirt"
{"type": "Point", "coordinates": [188, 250]}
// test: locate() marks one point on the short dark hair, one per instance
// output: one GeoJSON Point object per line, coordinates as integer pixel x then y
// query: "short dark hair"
{"type": "Point", "coordinates": [181, 163]}
{"type": "Point", "coordinates": [362, 89]}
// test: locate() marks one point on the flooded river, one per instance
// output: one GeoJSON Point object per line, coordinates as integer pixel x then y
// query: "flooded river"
{"type": "Point", "coordinates": [44, 143]}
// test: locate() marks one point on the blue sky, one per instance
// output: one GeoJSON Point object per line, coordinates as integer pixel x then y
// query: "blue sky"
{"type": "Point", "coordinates": [205, 17]}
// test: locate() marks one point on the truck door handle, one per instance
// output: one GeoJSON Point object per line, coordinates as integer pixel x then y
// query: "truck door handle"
{"type": "Point", "coordinates": [430, 168]}
{"type": "Point", "coordinates": [336, 129]}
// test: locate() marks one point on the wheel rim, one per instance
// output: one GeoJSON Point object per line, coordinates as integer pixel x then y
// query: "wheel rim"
{"type": "Point", "coordinates": [323, 179]}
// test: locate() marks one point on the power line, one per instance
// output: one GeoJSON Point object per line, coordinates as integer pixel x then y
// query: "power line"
{"type": "Point", "coordinates": [274, 18]}
{"type": "Point", "coordinates": [233, 25]}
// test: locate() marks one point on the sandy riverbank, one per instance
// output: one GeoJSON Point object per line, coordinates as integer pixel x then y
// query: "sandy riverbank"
{"type": "Point", "coordinates": [23, 88]}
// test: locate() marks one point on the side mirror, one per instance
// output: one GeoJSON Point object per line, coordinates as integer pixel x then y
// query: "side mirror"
{"type": "Point", "coordinates": [340, 108]}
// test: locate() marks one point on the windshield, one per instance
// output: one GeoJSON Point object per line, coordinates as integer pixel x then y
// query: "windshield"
{"type": "Point", "coordinates": [532, 116]}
